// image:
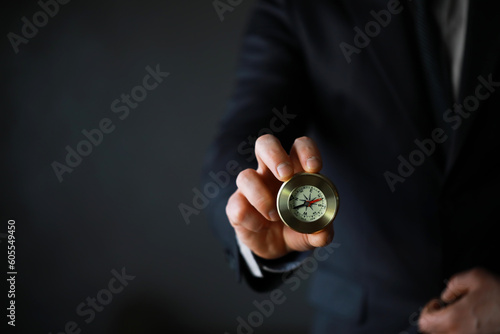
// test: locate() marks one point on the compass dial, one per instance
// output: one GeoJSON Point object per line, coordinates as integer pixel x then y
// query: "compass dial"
{"type": "Point", "coordinates": [307, 203]}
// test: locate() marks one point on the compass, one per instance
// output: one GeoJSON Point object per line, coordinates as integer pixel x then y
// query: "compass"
{"type": "Point", "coordinates": [307, 202]}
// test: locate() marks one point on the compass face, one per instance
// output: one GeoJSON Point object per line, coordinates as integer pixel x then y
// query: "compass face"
{"type": "Point", "coordinates": [307, 203]}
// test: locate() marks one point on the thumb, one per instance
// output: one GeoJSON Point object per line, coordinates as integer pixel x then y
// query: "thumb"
{"type": "Point", "coordinates": [296, 241]}
{"type": "Point", "coordinates": [321, 238]}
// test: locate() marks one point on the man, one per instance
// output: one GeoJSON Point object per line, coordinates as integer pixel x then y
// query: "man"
{"type": "Point", "coordinates": [397, 103]}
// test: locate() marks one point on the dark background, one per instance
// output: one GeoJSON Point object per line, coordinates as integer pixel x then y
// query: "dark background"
{"type": "Point", "coordinates": [119, 207]}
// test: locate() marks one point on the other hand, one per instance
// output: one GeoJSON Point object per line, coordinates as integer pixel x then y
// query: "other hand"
{"type": "Point", "coordinates": [475, 306]}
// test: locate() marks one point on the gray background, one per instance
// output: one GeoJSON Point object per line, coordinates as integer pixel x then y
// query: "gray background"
{"type": "Point", "coordinates": [119, 207]}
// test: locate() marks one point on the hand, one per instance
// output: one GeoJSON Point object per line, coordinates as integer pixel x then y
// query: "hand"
{"type": "Point", "coordinates": [252, 208]}
{"type": "Point", "coordinates": [475, 306]}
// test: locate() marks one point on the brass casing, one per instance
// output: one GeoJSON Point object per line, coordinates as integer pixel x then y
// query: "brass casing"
{"type": "Point", "coordinates": [302, 179]}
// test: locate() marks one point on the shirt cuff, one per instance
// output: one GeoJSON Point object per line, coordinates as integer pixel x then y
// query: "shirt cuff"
{"type": "Point", "coordinates": [249, 259]}
{"type": "Point", "coordinates": [284, 264]}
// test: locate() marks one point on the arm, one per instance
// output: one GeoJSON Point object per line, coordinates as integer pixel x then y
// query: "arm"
{"type": "Point", "coordinates": [271, 93]}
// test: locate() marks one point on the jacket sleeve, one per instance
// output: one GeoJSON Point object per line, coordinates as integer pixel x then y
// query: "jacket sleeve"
{"type": "Point", "coordinates": [270, 96]}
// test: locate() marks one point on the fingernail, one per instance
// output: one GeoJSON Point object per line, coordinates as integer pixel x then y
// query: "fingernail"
{"type": "Point", "coordinates": [284, 170]}
{"type": "Point", "coordinates": [273, 214]}
{"type": "Point", "coordinates": [313, 163]}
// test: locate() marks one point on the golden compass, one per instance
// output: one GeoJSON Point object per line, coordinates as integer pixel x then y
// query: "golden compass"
{"type": "Point", "coordinates": [307, 202]}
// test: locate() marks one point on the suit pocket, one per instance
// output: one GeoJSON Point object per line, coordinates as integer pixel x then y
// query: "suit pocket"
{"type": "Point", "coordinates": [338, 296]}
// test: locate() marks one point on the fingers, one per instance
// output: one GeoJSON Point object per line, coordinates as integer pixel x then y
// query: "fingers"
{"type": "Point", "coordinates": [456, 318]}
{"type": "Point", "coordinates": [467, 295]}
{"type": "Point", "coordinates": [255, 231]}
{"type": "Point", "coordinates": [302, 242]}
{"type": "Point", "coordinates": [461, 283]}
{"type": "Point", "coordinates": [243, 216]}
{"type": "Point", "coordinates": [321, 238]}
{"type": "Point", "coordinates": [435, 319]}
{"type": "Point", "coordinates": [258, 193]}
{"type": "Point", "coordinates": [271, 156]}
{"type": "Point", "coordinates": [305, 155]}
{"type": "Point", "coordinates": [251, 228]}
{"type": "Point", "coordinates": [258, 188]}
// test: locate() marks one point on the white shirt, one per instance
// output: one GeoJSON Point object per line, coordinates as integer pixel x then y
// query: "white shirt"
{"type": "Point", "coordinates": [451, 16]}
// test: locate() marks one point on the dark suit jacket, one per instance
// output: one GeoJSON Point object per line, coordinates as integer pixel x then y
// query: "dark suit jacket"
{"type": "Point", "coordinates": [398, 247]}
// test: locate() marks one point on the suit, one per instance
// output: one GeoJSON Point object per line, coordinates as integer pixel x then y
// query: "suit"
{"type": "Point", "coordinates": [417, 204]}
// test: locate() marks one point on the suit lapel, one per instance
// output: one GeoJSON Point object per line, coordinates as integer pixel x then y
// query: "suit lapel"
{"type": "Point", "coordinates": [402, 72]}
{"type": "Point", "coordinates": [481, 55]}
{"type": "Point", "coordinates": [398, 70]}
